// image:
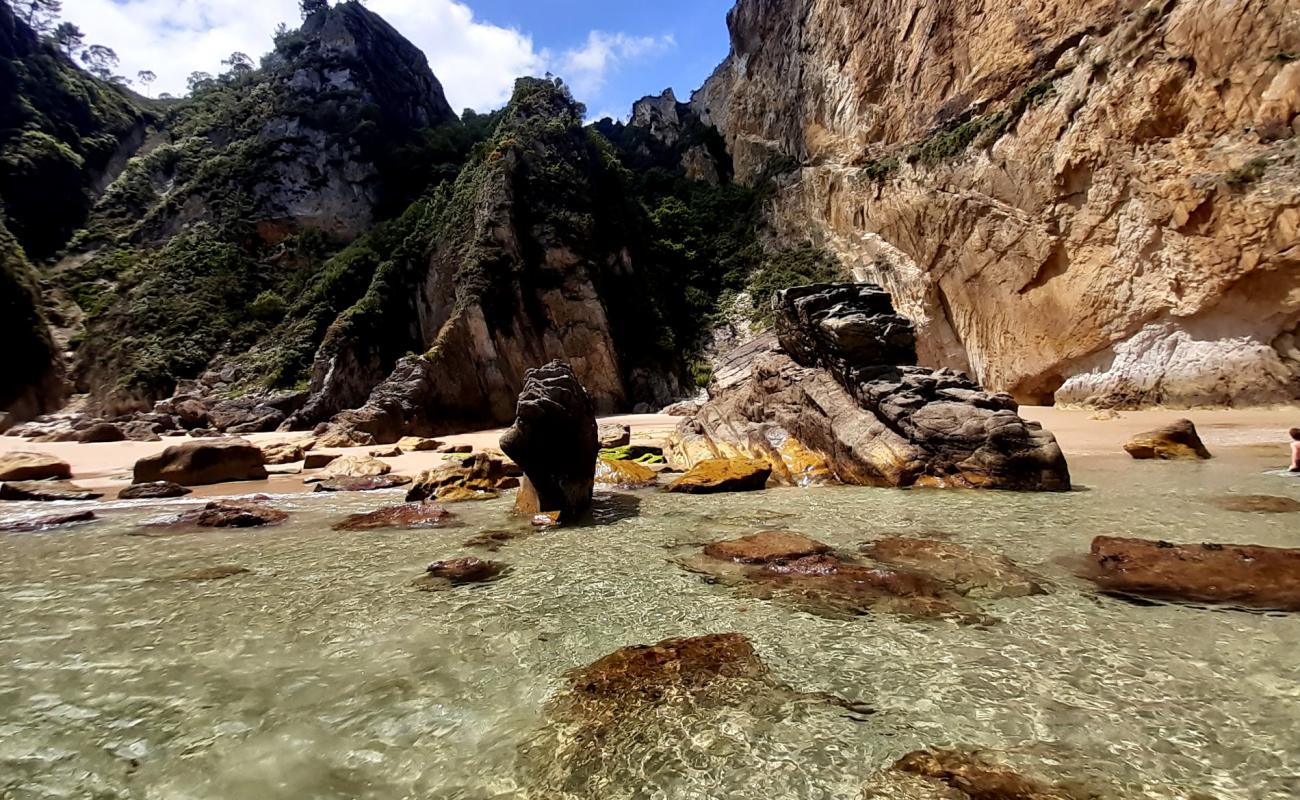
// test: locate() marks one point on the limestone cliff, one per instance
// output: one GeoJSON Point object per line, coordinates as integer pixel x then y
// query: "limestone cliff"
{"type": "Point", "coordinates": [1092, 202]}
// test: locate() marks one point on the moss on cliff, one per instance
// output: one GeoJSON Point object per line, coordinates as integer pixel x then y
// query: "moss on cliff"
{"type": "Point", "coordinates": [31, 355]}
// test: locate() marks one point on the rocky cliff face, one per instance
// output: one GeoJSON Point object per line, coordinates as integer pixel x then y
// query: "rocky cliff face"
{"type": "Point", "coordinates": [1086, 202]}
{"type": "Point", "coordinates": [529, 257]}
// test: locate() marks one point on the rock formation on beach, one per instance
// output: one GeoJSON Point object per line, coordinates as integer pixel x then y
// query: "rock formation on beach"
{"type": "Point", "coordinates": [843, 397]}
{"type": "Point", "coordinates": [1087, 202]}
{"type": "Point", "coordinates": [554, 441]}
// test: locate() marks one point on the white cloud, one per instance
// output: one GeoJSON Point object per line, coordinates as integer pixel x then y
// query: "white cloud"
{"type": "Point", "coordinates": [476, 62]}
{"type": "Point", "coordinates": [586, 68]}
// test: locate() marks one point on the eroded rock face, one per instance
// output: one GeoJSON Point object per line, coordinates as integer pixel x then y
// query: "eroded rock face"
{"type": "Point", "coordinates": [1100, 211]}
{"type": "Point", "coordinates": [835, 408]}
{"type": "Point", "coordinates": [406, 515]}
{"type": "Point", "coordinates": [202, 463]}
{"type": "Point", "coordinates": [554, 441]}
{"type": "Point", "coordinates": [1243, 575]}
{"type": "Point", "coordinates": [1177, 441]}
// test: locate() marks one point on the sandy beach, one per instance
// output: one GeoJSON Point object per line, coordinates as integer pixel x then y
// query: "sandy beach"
{"type": "Point", "coordinates": [1081, 433]}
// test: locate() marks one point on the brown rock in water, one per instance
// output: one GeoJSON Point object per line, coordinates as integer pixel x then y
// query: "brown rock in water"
{"type": "Point", "coordinates": [969, 571]}
{"type": "Point", "coordinates": [826, 584]}
{"type": "Point", "coordinates": [1257, 503]}
{"type": "Point", "coordinates": [463, 494]}
{"type": "Point", "coordinates": [23, 466]}
{"type": "Point", "coordinates": [218, 573]}
{"type": "Point", "coordinates": [365, 483]}
{"type": "Point", "coordinates": [101, 432]}
{"type": "Point", "coordinates": [723, 475]}
{"type": "Point", "coordinates": [47, 491]}
{"type": "Point", "coordinates": [613, 435]}
{"type": "Point", "coordinates": [283, 453]}
{"type": "Point", "coordinates": [202, 463]}
{"type": "Point", "coordinates": [492, 541]}
{"type": "Point", "coordinates": [457, 571]}
{"type": "Point", "coordinates": [1177, 441]}
{"type": "Point", "coordinates": [624, 475]}
{"type": "Point", "coordinates": [222, 514]}
{"type": "Point", "coordinates": [830, 404]}
{"type": "Point", "coordinates": [478, 474]}
{"type": "Point", "coordinates": [765, 547]}
{"type": "Point", "coordinates": [975, 778]}
{"type": "Point", "coordinates": [46, 522]}
{"type": "Point", "coordinates": [152, 491]}
{"type": "Point", "coordinates": [553, 439]}
{"type": "Point", "coordinates": [1251, 576]}
{"type": "Point", "coordinates": [318, 460]}
{"type": "Point", "coordinates": [406, 515]}
{"type": "Point", "coordinates": [650, 672]}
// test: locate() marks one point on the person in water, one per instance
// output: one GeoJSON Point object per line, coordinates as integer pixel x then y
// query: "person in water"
{"type": "Point", "coordinates": [1295, 449]}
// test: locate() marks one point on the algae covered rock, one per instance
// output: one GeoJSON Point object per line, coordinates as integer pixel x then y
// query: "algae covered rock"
{"type": "Point", "coordinates": [1176, 441]}
{"type": "Point", "coordinates": [723, 475]}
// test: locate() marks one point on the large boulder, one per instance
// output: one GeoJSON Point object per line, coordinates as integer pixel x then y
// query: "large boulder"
{"type": "Point", "coordinates": [355, 467]}
{"type": "Point", "coordinates": [22, 466]}
{"type": "Point", "coordinates": [723, 475]}
{"type": "Point", "coordinates": [554, 439]}
{"type": "Point", "coordinates": [474, 476]}
{"type": "Point", "coordinates": [201, 463]}
{"type": "Point", "coordinates": [1243, 575]}
{"type": "Point", "coordinates": [1176, 441]}
{"type": "Point", "coordinates": [101, 432]}
{"type": "Point", "coordinates": [829, 406]}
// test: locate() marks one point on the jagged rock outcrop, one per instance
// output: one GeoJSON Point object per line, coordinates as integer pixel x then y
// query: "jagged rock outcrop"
{"type": "Point", "coordinates": [553, 439]}
{"type": "Point", "coordinates": [1089, 202]}
{"type": "Point", "coordinates": [529, 259]}
{"type": "Point", "coordinates": [829, 404]}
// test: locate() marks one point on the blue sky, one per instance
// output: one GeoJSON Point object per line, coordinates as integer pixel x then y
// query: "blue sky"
{"type": "Point", "coordinates": [610, 53]}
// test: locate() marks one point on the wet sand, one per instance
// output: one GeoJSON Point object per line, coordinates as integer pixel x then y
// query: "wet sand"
{"type": "Point", "coordinates": [1081, 433]}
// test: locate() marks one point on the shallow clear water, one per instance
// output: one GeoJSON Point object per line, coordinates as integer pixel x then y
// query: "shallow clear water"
{"type": "Point", "coordinates": [322, 674]}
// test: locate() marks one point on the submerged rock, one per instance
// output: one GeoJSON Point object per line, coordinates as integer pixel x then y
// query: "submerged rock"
{"type": "Point", "coordinates": [153, 490]}
{"type": "Point", "coordinates": [624, 475]}
{"type": "Point", "coordinates": [553, 439]}
{"type": "Point", "coordinates": [365, 483]}
{"type": "Point", "coordinates": [723, 475]}
{"type": "Point", "coordinates": [765, 547]}
{"type": "Point", "coordinates": [836, 401]}
{"type": "Point", "coordinates": [1257, 503]}
{"type": "Point", "coordinates": [790, 568]}
{"type": "Point", "coordinates": [218, 573]}
{"type": "Point", "coordinates": [24, 466]}
{"type": "Point", "coordinates": [202, 463]}
{"type": "Point", "coordinates": [47, 491]}
{"type": "Point", "coordinates": [492, 541]}
{"type": "Point", "coordinates": [457, 571]}
{"type": "Point", "coordinates": [223, 514]}
{"type": "Point", "coordinates": [969, 571]}
{"type": "Point", "coordinates": [47, 522]}
{"type": "Point", "coordinates": [406, 515]}
{"type": "Point", "coordinates": [958, 775]}
{"type": "Point", "coordinates": [1251, 576]}
{"type": "Point", "coordinates": [1176, 441]}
